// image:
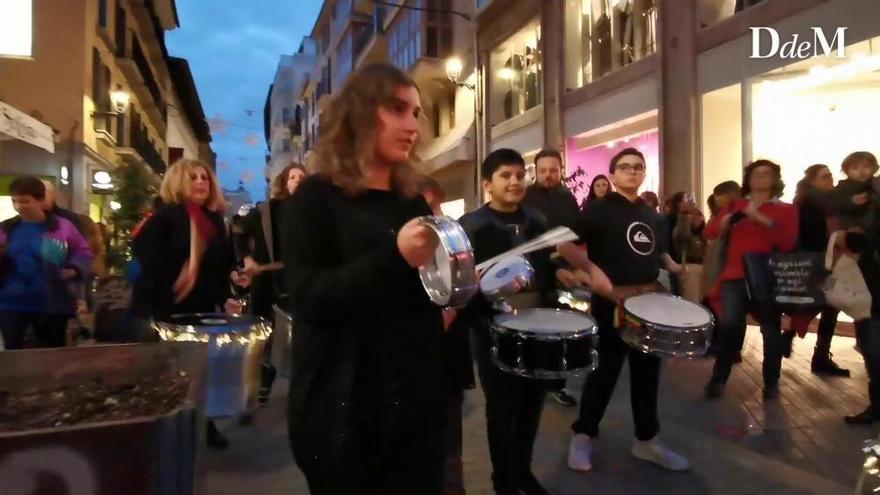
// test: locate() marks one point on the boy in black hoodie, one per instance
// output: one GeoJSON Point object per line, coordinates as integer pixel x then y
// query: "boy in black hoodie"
{"type": "Point", "coordinates": [513, 403]}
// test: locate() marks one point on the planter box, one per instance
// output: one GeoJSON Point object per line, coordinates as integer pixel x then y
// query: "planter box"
{"type": "Point", "coordinates": [141, 456]}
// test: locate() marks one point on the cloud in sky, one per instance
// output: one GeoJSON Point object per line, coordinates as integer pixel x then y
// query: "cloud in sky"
{"type": "Point", "coordinates": [233, 48]}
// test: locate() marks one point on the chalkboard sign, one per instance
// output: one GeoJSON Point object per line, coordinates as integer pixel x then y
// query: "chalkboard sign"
{"type": "Point", "coordinates": [112, 300]}
{"type": "Point", "coordinates": [790, 281]}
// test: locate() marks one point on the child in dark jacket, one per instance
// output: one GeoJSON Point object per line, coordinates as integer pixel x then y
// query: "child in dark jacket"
{"type": "Point", "coordinates": [855, 200]}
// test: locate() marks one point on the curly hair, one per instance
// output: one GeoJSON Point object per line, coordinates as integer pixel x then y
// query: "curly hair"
{"type": "Point", "coordinates": [174, 184]}
{"type": "Point", "coordinates": [279, 183]}
{"type": "Point", "coordinates": [346, 143]}
{"type": "Point", "coordinates": [778, 188]}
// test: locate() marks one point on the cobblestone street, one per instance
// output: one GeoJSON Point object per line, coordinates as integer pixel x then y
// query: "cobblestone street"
{"type": "Point", "coordinates": [737, 445]}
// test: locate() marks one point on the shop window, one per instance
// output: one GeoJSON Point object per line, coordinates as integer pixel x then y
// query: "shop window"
{"type": "Point", "coordinates": [515, 79]}
{"type": "Point", "coordinates": [120, 30]}
{"type": "Point", "coordinates": [405, 37]}
{"type": "Point", "coordinates": [711, 12]}
{"type": "Point", "coordinates": [602, 36]}
{"type": "Point", "coordinates": [438, 38]}
{"type": "Point", "coordinates": [102, 13]}
{"type": "Point", "coordinates": [811, 112]}
{"type": "Point", "coordinates": [344, 59]}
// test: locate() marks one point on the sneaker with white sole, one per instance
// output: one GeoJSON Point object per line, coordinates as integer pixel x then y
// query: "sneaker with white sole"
{"type": "Point", "coordinates": [580, 453]}
{"type": "Point", "coordinates": [654, 451]}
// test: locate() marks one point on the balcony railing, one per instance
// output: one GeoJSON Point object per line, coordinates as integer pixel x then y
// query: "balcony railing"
{"type": "Point", "coordinates": [138, 139]}
{"type": "Point", "coordinates": [143, 66]}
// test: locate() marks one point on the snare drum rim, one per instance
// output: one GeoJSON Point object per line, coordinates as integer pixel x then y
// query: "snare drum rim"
{"type": "Point", "coordinates": [545, 374]}
{"type": "Point", "coordinates": [251, 324]}
{"type": "Point", "coordinates": [632, 318]}
{"type": "Point", "coordinates": [458, 249]}
{"type": "Point", "coordinates": [591, 331]}
{"type": "Point", "coordinates": [515, 284]}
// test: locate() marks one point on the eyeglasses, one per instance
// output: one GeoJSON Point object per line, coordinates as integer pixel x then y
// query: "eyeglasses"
{"type": "Point", "coordinates": [628, 168]}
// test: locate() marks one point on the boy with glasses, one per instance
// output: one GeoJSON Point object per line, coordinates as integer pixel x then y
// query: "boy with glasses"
{"type": "Point", "coordinates": [622, 235]}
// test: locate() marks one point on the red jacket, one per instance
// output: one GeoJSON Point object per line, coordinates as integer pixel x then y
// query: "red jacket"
{"type": "Point", "coordinates": [749, 236]}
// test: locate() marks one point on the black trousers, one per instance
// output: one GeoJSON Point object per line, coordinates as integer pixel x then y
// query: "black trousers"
{"type": "Point", "coordinates": [377, 463]}
{"type": "Point", "coordinates": [50, 330]}
{"type": "Point", "coordinates": [868, 340]}
{"type": "Point", "coordinates": [825, 332]}
{"type": "Point", "coordinates": [735, 307]}
{"type": "Point", "coordinates": [644, 379]}
{"type": "Point", "coordinates": [513, 413]}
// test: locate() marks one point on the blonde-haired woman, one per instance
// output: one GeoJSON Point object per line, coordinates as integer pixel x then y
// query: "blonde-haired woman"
{"type": "Point", "coordinates": [260, 247]}
{"type": "Point", "coordinates": [369, 386]}
{"type": "Point", "coordinates": [186, 256]}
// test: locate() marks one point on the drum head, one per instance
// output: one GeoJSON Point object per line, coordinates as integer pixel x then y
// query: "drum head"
{"type": "Point", "coordinates": [511, 272]}
{"type": "Point", "coordinates": [668, 311]}
{"type": "Point", "coordinates": [546, 321]}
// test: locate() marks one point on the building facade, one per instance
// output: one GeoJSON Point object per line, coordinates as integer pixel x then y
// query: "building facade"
{"type": "Point", "coordinates": [354, 33]}
{"type": "Point", "coordinates": [284, 112]}
{"type": "Point", "coordinates": [85, 54]}
{"type": "Point", "coordinates": [677, 79]}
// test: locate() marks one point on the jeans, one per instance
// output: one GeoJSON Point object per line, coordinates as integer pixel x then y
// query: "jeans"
{"type": "Point", "coordinates": [50, 330]}
{"type": "Point", "coordinates": [735, 306]}
{"type": "Point", "coordinates": [644, 380]}
{"type": "Point", "coordinates": [513, 412]}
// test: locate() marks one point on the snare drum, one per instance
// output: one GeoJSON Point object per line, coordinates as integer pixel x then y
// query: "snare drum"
{"type": "Point", "coordinates": [235, 356]}
{"type": "Point", "coordinates": [545, 343]}
{"type": "Point", "coordinates": [666, 326]}
{"type": "Point", "coordinates": [506, 278]}
{"type": "Point", "coordinates": [450, 279]}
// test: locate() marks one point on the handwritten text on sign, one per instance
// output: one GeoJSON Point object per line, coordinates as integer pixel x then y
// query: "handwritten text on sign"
{"type": "Point", "coordinates": [795, 280]}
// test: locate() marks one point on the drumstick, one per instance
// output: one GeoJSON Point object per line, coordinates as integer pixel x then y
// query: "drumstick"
{"type": "Point", "coordinates": [549, 239]}
{"type": "Point", "coordinates": [268, 267]}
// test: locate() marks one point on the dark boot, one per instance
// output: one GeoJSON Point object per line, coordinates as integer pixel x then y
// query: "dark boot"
{"type": "Point", "coordinates": [267, 378]}
{"type": "Point", "coordinates": [787, 343]}
{"type": "Point", "coordinates": [215, 439]}
{"type": "Point", "coordinates": [822, 364]}
{"type": "Point", "coordinates": [871, 414]}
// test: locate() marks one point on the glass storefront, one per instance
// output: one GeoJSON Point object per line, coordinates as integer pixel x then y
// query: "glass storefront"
{"type": "Point", "coordinates": [515, 81]}
{"type": "Point", "coordinates": [813, 111]}
{"type": "Point", "coordinates": [595, 159]}
{"type": "Point", "coordinates": [604, 35]}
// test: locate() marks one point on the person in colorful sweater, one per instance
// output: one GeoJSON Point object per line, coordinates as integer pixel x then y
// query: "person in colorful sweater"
{"type": "Point", "coordinates": [43, 262]}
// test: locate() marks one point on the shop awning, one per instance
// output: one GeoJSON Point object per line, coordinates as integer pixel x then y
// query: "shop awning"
{"type": "Point", "coordinates": [17, 125]}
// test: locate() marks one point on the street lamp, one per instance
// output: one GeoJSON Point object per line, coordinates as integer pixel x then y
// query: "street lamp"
{"type": "Point", "coordinates": [119, 102]}
{"type": "Point", "coordinates": [454, 66]}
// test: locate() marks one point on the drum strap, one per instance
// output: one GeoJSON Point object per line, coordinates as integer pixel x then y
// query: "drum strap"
{"type": "Point", "coordinates": [620, 318]}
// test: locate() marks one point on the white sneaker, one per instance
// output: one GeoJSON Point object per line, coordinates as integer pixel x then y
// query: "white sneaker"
{"type": "Point", "coordinates": [654, 451]}
{"type": "Point", "coordinates": [580, 453]}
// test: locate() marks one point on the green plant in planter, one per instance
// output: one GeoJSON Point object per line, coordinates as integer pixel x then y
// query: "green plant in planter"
{"type": "Point", "coordinates": [135, 189]}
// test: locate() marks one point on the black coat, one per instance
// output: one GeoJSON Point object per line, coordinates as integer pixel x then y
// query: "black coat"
{"type": "Point", "coordinates": [558, 204]}
{"type": "Point", "coordinates": [814, 208]}
{"type": "Point", "coordinates": [162, 247]}
{"type": "Point", "coordinates": [368, 366]}
{"type": "Point", "coordinates": [267, 287]}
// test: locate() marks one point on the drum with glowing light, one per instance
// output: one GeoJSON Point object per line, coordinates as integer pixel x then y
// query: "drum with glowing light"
{"type": "Point", "coordinates": [235, 355]}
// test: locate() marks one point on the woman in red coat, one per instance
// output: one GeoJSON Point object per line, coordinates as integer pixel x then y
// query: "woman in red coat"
{"type": "Point", "coordinates": [759, 224]}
